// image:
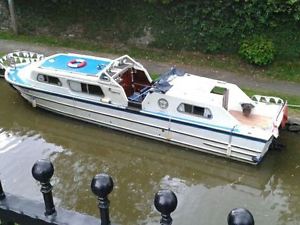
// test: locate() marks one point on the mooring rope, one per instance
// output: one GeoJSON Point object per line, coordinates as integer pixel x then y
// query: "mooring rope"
{"type": "Point", "coordinates": [294, 106]}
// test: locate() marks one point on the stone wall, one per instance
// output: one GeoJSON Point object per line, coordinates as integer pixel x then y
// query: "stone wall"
{"type": "Point", "coordinates": [4, 16]}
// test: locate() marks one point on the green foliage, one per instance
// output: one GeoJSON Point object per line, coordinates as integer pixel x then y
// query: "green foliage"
{"type": "Point", "coordinates": [214, 26]}
{"type": "Point", "coordinates": [205, 26]}
{"type": "Point", "coordinates": [159, 1]}
{"type": "Point", "coordinates": [257, 50]}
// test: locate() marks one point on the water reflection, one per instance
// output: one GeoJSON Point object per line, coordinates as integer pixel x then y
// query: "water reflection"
{"type": "Point", "coordinates": [207, 187]}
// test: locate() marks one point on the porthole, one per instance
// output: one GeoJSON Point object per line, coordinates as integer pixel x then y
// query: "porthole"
{"type": "Point", "coordinates": [41, 78]}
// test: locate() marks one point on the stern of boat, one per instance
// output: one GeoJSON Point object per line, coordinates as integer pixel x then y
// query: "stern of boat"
{"type": "Point", "coordinates": [276, 108]}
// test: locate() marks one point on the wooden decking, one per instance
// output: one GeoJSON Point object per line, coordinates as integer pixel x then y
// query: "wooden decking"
{"type": "Point", "coordinates": [252, 120]}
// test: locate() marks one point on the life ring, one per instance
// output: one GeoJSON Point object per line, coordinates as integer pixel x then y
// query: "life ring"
{"type": "Point", "coordinates": [77, 63]}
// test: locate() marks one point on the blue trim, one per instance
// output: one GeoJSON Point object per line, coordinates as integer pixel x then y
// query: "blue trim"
{"type": "Point", "coordinates": [149, 115]}
{"type": "Point", "coordinates": [192, 121]}
{"type": "Point", "coordinates": [13, 74]}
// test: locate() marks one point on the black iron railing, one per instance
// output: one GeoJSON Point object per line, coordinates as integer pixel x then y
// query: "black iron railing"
{"type": "Point", "coordinates": [18, 210]}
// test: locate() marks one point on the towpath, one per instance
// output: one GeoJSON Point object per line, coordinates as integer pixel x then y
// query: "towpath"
{"type": "Point", "coordinates": [260, 84]}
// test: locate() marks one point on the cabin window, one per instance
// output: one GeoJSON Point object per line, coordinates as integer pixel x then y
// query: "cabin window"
{"type": "Point", "coordinates": [48, 79]}
{"type": "Point", "coordinates": [195, 110]}
{"type": "Point", "coordinates": [75, 86]}
{"type": "Point", "coordinates": [86, 88]}
{"type": "Point", "coordinates": [95, 90]}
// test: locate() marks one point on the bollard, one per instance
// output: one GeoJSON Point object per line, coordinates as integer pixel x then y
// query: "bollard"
{"type": "Point", "coordinates": [101, 185]}
{"type": "Point", "coordinates": [2, 195]}
{"type": "Point", "coordinates": [240, 216]}
{"type": "Point", "coordinates": [165, 201]}
{"type": "Point", "coordinates": [42, 171]}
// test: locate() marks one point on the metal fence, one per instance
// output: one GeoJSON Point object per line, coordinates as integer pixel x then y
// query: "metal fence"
{"type": "Point", "coordinates": [18, 210]}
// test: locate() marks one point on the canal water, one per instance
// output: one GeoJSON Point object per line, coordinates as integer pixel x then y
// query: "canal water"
{"type": "Point", "coordinates": [207, 187]}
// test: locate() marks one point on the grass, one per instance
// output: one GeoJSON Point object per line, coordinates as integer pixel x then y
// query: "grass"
{"type": "Point", "coordinates": [280, 69]}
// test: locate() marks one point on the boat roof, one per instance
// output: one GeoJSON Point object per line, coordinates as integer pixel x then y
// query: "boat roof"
{"type": "Point", "coordinates": [93, 66]}
{"type": "Point", "coordinates": [193, 87]}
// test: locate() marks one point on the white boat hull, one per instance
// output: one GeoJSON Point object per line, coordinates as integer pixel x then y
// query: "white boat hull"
{"type": "Point", "coordinates": [205, 139]}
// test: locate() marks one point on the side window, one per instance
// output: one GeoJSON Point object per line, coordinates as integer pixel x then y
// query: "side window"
{"type": "Point", "coordinates": [54, 80]}
{"type": "Point", "coordinates": [95, 90]}
{"type": "Point", "coordinates": [188, 108]}
{"type": "Point", "coordinates": [75, 86]}
{"type": "Point", "coordinates": [48, 79]}
{"type": "Point", "coordinates": [86, 88]}
{"type": "Point", "coordinates": [195, 110]}
{"type": "Point", "coordinates": [198, 111]}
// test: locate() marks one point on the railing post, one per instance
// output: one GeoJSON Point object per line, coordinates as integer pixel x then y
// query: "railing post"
{"type": "Point", "coordinates": [240, 216]}
{"type": "Point", "coordinates": [2, 195]}
{"type": "Point", "coordinates": [165, 201]}
{"type": "Point", "coordinates": [101, 185]}
{"type": "Point", "coordinates": [42, 171]}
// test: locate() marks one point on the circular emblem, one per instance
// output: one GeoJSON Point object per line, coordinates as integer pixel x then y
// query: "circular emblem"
{"type": "Point", "coordinates": [163, 103]}
{"type": "Point", "coordinates": [41, 78]}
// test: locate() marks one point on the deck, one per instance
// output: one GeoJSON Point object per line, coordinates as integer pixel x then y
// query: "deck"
{"type": "Point", "coordinates": [252, 120]}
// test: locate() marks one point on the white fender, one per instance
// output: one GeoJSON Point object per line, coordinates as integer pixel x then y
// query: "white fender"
{"type": "Point", "coordinates": [33, 103]}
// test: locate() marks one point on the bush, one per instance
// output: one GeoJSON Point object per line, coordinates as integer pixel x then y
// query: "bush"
{"type": "Point", "coordinates": [258, 51]}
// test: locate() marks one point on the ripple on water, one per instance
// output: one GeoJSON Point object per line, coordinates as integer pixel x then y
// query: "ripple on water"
{"type": "Point", "coordinates": [8, 141]}
{"type": "Point", "coordinates": [18, 153]}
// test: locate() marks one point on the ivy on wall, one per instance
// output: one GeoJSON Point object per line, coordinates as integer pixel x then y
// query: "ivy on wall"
{"type": "Point", "coordinates": [220, 25]}
{"type": "Point", "coordinates": [197, 25]}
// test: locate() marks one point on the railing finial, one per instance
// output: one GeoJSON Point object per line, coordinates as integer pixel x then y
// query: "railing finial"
{"type": "Point", "coordinates": [165, 201]}
{"type": "Point", "coordinates": [102, 185]}
{"type": "Point", "coordinates": [240, 216]}
{"type": "Point", "coordinates": [42, 171]}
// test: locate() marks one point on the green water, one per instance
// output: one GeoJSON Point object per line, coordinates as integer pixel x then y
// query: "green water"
{"type": "Point", "coordinates": [207, 187]}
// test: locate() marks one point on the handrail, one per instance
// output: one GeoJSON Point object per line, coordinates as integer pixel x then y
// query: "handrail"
{"type": "Point", "coordinates": [281, 109]}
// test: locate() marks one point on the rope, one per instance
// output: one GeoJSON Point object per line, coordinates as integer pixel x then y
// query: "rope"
{"type": "Point", "coordinates": [294, 106]}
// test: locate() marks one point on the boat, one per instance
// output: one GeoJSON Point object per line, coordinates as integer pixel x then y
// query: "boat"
{"type": "Point", "coordinates": [188, 110]}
